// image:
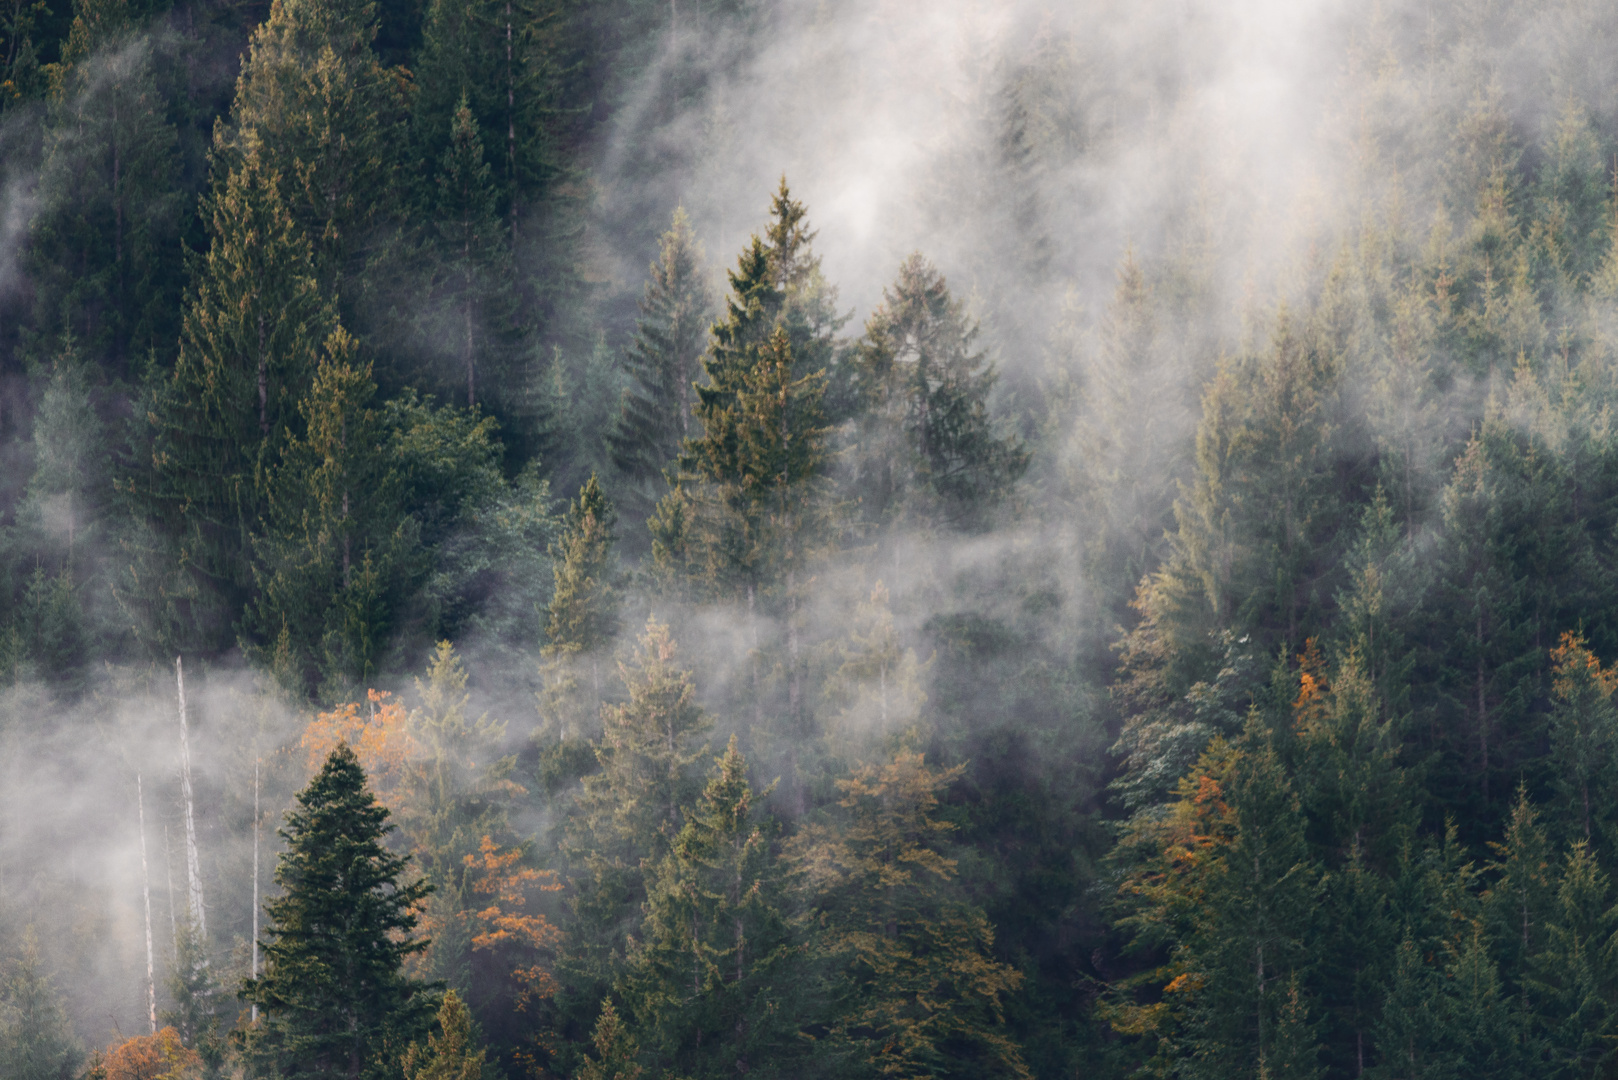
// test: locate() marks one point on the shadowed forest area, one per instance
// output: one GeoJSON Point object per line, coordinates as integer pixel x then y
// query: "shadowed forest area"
{"type": "Point", "coordinates": [630, 539]}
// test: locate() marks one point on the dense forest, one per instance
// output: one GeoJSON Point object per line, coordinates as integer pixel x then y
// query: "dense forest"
{"type": "Point", "coordinates": [618, 539]}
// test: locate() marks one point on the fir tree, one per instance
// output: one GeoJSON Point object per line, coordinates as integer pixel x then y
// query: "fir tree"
{"type": "Point", "coordinates": [450, 1054]}
{"type": "Point", "coordinates": [710, 981]}
{"type": "Point", "coordinates": [913, 985]}
{"type": "Point", "coordinates": [583, 616]}
{"type": "Point", "coordinates": [926, 437]}
{"type": "Point", "coordinates": [333, 998]}
{"type": "Point", "coordinates": [628, 814]}
{"type": "Point", "coordinates": [1584, 731]}
{"type": "Point", "coordinates": [472, 299]}
{"type": "Point", "coordinates": [615, 1048]}
{"type": "Point", "coordinates": [314, 100]}
{"type": "Point", "coordinates": [36, 1041]}
{"type": "Point", "coordinates": [664, 360]}
{"type": "Point", "coordinates": [250, 339]}
{"type": "Point", "coordinates": [336, 541]}
{"type": "Point", "coordinates": [105, 248]}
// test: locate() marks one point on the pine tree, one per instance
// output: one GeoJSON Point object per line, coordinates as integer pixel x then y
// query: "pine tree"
{"type": "Point", "coordinates": [664, 360]}
{"type": "Point", "coordinates": [1573, 982]}
{"type": "Point", "coordinates": [508, 60]}
{"type": "Point", "coordinates": [615, 1047]}
{"type": "Point", "coordinates": [628, 814]}
{"type": "Point", "coordinates": [472, 303]}
{"type": "Point", "coordinates": [1518, 903]}
{"type": "Point", "coordinates": [710, 981]}
{"type": "Point", "coordinates": [333, 999]}
{"type": "Point", "coordinates": [876, 688]}
{"type": "Point", "coordinates": [913, 985]}
{"type": "Point", "coordinates": [195, 1009]}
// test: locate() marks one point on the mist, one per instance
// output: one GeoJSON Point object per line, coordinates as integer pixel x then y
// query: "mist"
{"type": "Point", "coordinates": [1248, 164]}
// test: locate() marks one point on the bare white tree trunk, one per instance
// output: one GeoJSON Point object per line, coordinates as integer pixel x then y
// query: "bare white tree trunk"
{"type": "Point", "coordinates": [193, 868]}
{"type": "Point", "coordinates": [255, 883]}
{"type": "Point", "coordinates": [146, 891]}
{"type": "Point", "coordinates": [168, 871]}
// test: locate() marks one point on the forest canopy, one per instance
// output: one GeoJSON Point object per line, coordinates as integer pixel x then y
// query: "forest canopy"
{"type": "Point", "coordinates": [670, 540]}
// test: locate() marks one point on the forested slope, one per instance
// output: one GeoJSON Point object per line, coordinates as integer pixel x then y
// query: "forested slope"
{"type": "Point", "coordinates": [1107, 566]}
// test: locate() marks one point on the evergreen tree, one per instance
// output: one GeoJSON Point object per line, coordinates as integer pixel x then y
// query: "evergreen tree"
{"type": "Point", "coordinates": [628, 814]}
{"type": "Point", "coordinates": [195, 1010]}
{"type": "Point", "coordinates": [333, 998]}
{"type": "Point", "coordinates": [249, 343]}
{"type": "Point", "coordinates": [36, 1041]}
{"type": "Point", "coordinates": [583, 616]}
{"type": "Point", "coordinates": [926, 438]}
{"type": "Point", "coordinates": [474, 308]}
{"type": "Point", "coordinates": [908, 963]}
{"type": "Point", "coordinates": [336, 542]}
{"type": "Point", "coordinates": [316, 103]}
{"type": "Point", "coordinates": [452, 1053]}
{"type": "Point", "coordinates": [615, 1048]}
{"type": "Point", "coordinates": [664, 360]}
{"type": "Point", "coordinates": [1573, 981]}
{"type": "Point", "coordinates": [710, 982]}
{"type": "Point", "coordinates": [876, 687]}
{"type": "Point", "coordinates": [105, 245]}
{"type": "Point", "coordinates": [1584, 730]}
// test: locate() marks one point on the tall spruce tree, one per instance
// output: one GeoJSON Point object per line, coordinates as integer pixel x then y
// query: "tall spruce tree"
{"type": "Point", "coordinates": [711, 981]}
{"type": "Point", "coordinates": [333, 999]}
{"type": "Point", "coordinates": [105, 249]}
{"type": "Point", "coordinates": [315, 101]}
{"type": "Point", "coordinates": [337, 544]}
{"type": "Point", "coordinates": [473, 304]}
{"type": "Point", "coordinates": [250, 339]}
{"type": "Point", "coordinates": [627, 815]}
{"type": "Point", "coordinates": [911, 982]}
{"type": "Point", "coordinates": [583, 615]}
{"type": "Point", "coordinates": [663, 361]}
{"type": "Point", "coordinates": [926, 443]}
{"type": "Point", "coordinates": [36, 1040]}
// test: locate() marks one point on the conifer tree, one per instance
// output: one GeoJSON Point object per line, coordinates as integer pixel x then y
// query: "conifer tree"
{"type": "Point", "coordinates": [1518, 904]}
{"type": "Point", "coordinates": [1584, 731]}
{"type": "Point", "coordinates": [314, 100]}
{"type": "Point", "coordinates": [628, 814]}
{"type": "Point", "coordinates": [450, 1054]}
{"type": "Point", "coordinates": [473, 304]}
{"type": "Point", "coordinates": [249, 343]}
{"type": "Point", "coordinates": [333, 999]}
{"type": "Point", "coordinates": [876, 688]}
{"type": "Point", "coordinates": [583, 616]}
{"type": "Point", "coordinates": [664, 359]}
{"type": "Point", "coordinates": [927, 440]}
{"type": "Point", "coordinates": [36, 1041]}
{"type": "Point", "coordinates": [710, 982]}
{"type": "Point", "coordinates": [105, 251]}
{"type": "Point", "coordinates": [1573, 982]}
{"type": "Point", "coordinates": [912, 982]}
{"type": "Point", "coordinates": [507, 59]}
{"type": "Point", "coordinates": [615, 1048]}
{"type": "Point", "coordinates": [66, 494]}
{"type": "Point", "coordinates": [336, 539]}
